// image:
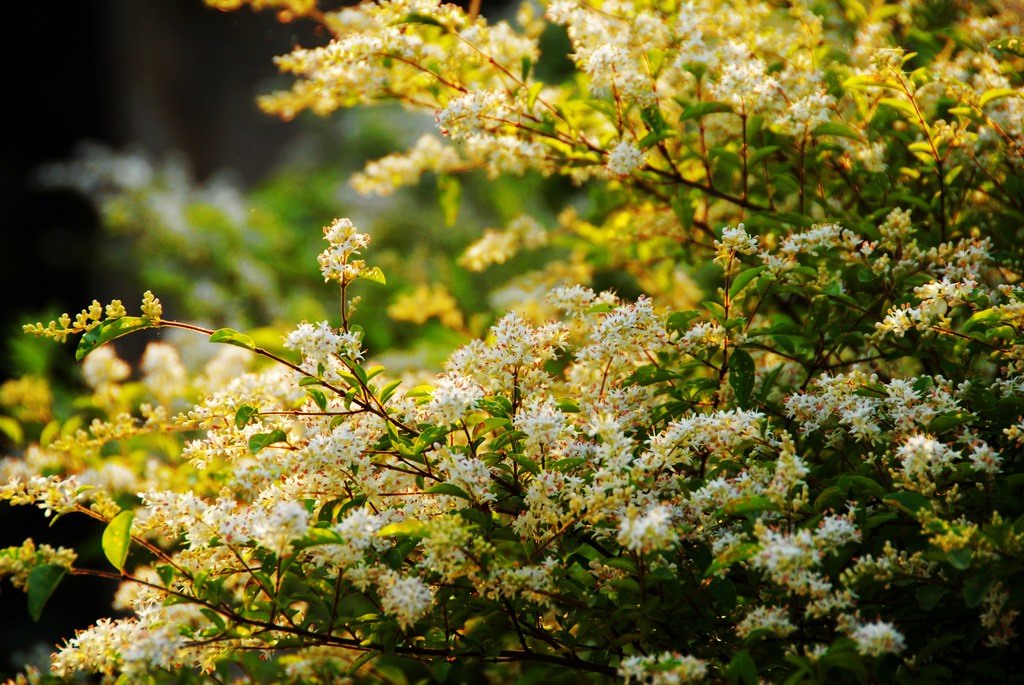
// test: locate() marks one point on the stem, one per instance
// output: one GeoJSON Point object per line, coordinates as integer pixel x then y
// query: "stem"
{"type": "Point", "coordinates": [743, 154]}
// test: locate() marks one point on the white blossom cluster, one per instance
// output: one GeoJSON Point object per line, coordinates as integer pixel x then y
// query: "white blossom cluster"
{"type": "Point", "coordinates": [336, 263]}
{"type": "Point", "coordinates": [596, 448]}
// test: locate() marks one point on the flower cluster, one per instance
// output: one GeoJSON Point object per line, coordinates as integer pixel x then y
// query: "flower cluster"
{"type": "Point", "coordinates": [812, 473]}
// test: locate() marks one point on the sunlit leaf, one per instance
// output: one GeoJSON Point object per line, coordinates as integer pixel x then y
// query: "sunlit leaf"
{"type": "Point", "coordinates": [110, 330]}
{"type": "Point", "coordinates": [117, 538]}
{"type": "Point", "coordinates": [230, 336]}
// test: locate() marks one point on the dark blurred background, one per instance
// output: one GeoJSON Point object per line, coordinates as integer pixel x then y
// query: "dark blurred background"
{"type": "Point", "coordinates": [165, 74]}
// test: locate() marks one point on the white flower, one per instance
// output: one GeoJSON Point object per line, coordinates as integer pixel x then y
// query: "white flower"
{"type": "Point", "coordinates": [322, 346]}
{"type": "Point", "coordinates": [773, 619]}
{"type": "Point", "coordinates": [103, 366]}
{"type": "Point", "coordinates": [336, 263]}
{"type": "Point", "coordinates": [163, 371]}
{"type": "Point", "coordinates": [647, 532]}
{"type": "Point", "coordinates": [454, 396]}
{"type": "Point", "coordinates": [878, 638]}
{"type": "Point", "coordinates": [278, 528]}
{"type": "Point", "coordinates": [922, 457]}
{"type": "Point", "coordinates": [984, 459]}
{"type": "Point", "coordinates": [625, 158]}
{"type": "Point", "coordinates": [667, 668]}
{"type": "Point", "coordinates": [406, 598]}
{"type": "Point", "coordinates": [835, 531]}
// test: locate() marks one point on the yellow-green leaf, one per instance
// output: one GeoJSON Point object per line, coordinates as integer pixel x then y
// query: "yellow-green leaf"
{"type": "Point", "coordinates": [373, 274]}
{"type": "Point", "coordinates": [229, 336]}
{"type": "Point", "coordinates": [117, 538]}
{"type": "Point", "coordinates": [406, 528]}
{"type": "Point", "coordinates": [901, 106]}
{"type": "Point", "coordinates": [995, 94]}
{"type": "Point", "coordinates": [837, 128]}
{"type": "Point", "coordinates": [12, 429]}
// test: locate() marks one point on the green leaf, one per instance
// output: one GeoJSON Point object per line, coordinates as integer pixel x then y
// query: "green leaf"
{"type": "Point", "coordinates": [533, 93]}
{"type": "Point", "coordinates": [568, 406]}
{"type": "Point", "coordinates": [678, 321]}
{"type": "Point", "coordinates": [229, 336]}
{"type": "Point", "coordinates": [245, 415]}
{"type": "Point", "coordinates": [654, 138]}
{"type": "Point", "coordinates": [684, 210]}
{"type": "Point", "coordinates": [761, 153]}
{"type": "Point", "coordinates": [600, 308]}
{"type": "Point", "coordinates": [983, 316]}
{"type": "Point", "coordinates": [42, 581]}
{"type": "Point", "coordinates": [949, 420]}
{"type": "Point", "coordinates": [527, 463]}
{"type": "Point", "coordinates": [749, 504]}
{"type": "Point", "coordinates": [117, 538]}
{"type": "Point", "coordinates": [261, 440]}
{"type": "Point", "coordinates": [318, 536]}
{"type": "Point", "coordinates": [716, 310]}
{"type": "Point", "coordinates": [525, 64]}
{"type": "Point", "coordinates": [166, 574]}
{"type": "Point", "coordinates": [928, 596]}
{"type": "Point", "coordinates": [448, 489]}
{"type": "Point", "coordinates": [908, 502]}
{"type": "Point", "coordinates": [742, 669]}
{"type": "Point", "coordinates": [864, 483]}
{"type": "Point", "coordinates": [704, 108]}
{"type": "Point", "coordinates": [567, 464]}
{"type": "Point", "coordinates": [975, 588]}
{"type": "Point", "coordinates": [373, 274]}
{"type": "Point", "coordinates": [836, 128]}
{"type": "Point", "coordinates": [318, 397]}
{"type": "Point", "coordinates": [388, 390]}
{"type": "Point", "coordinates": [358, 663]}
{"type": "Point", "coordinates": [1011, 44]}
{"type": "Point", "coordinates": [741, 376]}
{"type": "Point", "coordinates": [654, 119]}
{"type": "Point", "coordinates": [110, 330]}
{"type": "Point", "coordinates": [960, 558]}
{"type": "Point", "coordinates": [730, 557]}
{"type": "Point", "coordinates": [449, 197]}
{"type": "Point", "coordinates": [743, 278]}
{"type": "Point", "coordinates": [900, 105]}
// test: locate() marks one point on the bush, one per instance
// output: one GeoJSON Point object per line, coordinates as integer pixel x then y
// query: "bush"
{"type": "Point", "coordinates": [814, 474]}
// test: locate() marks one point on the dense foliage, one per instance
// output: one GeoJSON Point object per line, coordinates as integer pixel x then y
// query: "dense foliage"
{"type": "Point", "coordinates": [787, 448]}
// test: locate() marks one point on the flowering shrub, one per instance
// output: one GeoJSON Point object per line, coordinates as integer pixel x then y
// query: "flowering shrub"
{"type": "Point", "coordinates": [812, 475]}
